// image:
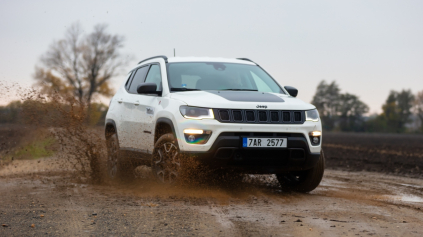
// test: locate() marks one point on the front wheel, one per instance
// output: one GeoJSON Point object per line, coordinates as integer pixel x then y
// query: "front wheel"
{"type": "Point", "coordinates": [166, 162]}
{"type": "Point", "coordinates": [303, 181]}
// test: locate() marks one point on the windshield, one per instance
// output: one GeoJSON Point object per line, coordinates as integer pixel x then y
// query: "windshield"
{"type": "Point", "coordinates": [220, 76]}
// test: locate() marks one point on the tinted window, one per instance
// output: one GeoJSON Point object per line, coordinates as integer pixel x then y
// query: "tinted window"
{"type": "Point", "coordinates": [154, 76]}
{"type": "Point", "coordinates": [220, 76]}
{"type": "Point", "coordinates": [138, 79]}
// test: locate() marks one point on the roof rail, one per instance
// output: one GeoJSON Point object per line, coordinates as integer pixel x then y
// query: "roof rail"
{"type": "Point", "coordinates": [160, 56]}
{"type": "Point", "coordinates": [246, 59]}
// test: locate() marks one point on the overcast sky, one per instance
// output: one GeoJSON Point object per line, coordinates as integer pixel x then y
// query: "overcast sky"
{"type": "Point", "coordinates": [368, 47]}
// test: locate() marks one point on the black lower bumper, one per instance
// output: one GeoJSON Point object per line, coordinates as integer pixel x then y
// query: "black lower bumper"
{"type": "Point", "coordinates": [227, 152]}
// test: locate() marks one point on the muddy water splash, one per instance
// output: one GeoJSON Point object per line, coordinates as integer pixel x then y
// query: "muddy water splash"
{"type": "Point", "coordinates": [65, 118]}
{"type": "Point", "coordinates": [83, 147]}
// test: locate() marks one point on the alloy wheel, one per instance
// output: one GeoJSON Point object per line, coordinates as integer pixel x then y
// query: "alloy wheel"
{"type": "Point", "coordinates": [166, 163]}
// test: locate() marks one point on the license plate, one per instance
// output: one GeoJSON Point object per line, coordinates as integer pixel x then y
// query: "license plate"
{"type": "Point", "coordinates": [270, 142]}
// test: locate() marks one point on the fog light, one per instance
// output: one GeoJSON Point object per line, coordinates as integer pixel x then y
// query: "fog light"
{"type": "Point", "coordinates": [315, 137]}
{"type": "Point", "coordinates": [191, 138]}
{"type": "Point", "coordinates": [196, 136]}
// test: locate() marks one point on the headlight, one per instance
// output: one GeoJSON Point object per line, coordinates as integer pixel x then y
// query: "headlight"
{"type": "Point", "coordinates": [312, 115]}
{"type": "Point", "coordinates": [196, 112]}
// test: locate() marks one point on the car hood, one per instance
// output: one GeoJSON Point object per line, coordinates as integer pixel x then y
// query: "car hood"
{"type": "Point", "coordinates": [241, 100]}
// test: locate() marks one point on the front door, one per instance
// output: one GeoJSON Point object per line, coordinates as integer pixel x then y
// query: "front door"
{"type": "Point", "coordinates": [144, 111]}
{"type": "Point", "coordinates": [132, 101]}
{"type": "Point", "coordinates": [124, 109]}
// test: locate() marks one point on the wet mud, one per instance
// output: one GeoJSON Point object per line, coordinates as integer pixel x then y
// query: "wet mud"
{"type": "Point", "coordinates": [42, 198]}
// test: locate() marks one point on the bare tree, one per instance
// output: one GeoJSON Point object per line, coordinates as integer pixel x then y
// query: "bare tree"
{"type": "Point", "coordinates": [81, 64]}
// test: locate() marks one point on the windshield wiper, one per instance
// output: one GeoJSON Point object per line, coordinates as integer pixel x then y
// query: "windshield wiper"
{"type": "Point", "coordinates": [238, 90]}
{"type": "Point", "coordinates": [184, 89]}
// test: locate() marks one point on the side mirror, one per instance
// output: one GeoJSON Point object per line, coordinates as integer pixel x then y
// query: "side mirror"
{"type": "Point", "coordinates": [148, 88]}
{"type": "Point", "coordinates": [292, 91]}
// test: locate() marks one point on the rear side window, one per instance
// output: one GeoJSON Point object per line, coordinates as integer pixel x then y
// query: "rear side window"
{"type": "Point", "coordinates": [154, 76]}
{"type": "Point", "coordinates": [138, 79]}
{"type": "Point", "coordinates": [128, 82]}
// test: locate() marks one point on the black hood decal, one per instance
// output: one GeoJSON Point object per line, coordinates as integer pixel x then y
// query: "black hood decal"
{"type": "Point", "coordinates": [247, 96]}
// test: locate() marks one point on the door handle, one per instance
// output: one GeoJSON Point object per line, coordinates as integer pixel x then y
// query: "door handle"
{"type": "Point", "coordinates": [120, 101]}
{"type": "Point", "coordinates": [137, 102]}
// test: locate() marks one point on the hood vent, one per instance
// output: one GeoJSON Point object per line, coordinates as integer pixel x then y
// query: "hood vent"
{"type": "Point", "coordinates": [260, 116]}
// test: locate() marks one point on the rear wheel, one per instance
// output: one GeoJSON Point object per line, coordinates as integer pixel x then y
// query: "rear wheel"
{"type": "Point", "coordinates": [117, 167]}
{"type": "Point", "coordinates": [303, 181]}
{"type": "Point", "coordinates": [166, 162]}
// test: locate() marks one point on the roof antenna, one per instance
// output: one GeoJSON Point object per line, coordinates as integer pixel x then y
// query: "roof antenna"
{"type": "Point", "coordinates": [174, 54]}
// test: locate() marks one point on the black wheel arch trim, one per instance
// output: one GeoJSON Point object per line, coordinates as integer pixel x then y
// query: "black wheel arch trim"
{"type": "Point", "coordinates": [165, 121]}
{"type": "Point", "coordinates": [113, 123]}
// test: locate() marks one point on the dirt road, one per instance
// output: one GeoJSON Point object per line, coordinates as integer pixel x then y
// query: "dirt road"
{"type": "Point", "coordinates": [38, 199]}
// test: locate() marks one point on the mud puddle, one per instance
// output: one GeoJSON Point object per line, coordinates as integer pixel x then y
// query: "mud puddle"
{"type": "Point", "coordinates": [346, 204]}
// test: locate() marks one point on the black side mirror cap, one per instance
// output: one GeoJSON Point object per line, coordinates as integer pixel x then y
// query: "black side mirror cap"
{"type": "Point", "coordinates": [148, 88]}
{"type": "Point", "coordinates": [292, 91]}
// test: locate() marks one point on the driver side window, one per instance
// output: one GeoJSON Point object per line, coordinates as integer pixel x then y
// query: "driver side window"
{"type": "Point", "coordinates": [138, 79]}
{"type": "Point", "coordinates": [154, 76]}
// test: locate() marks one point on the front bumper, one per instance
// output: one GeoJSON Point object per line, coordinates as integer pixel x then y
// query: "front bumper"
{"type": "Point", "coordinates": [218, 128]}
{"type": "Point", "coordinates": [227, 152]}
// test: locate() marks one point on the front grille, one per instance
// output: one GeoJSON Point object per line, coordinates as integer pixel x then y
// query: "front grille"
{"type": "Point", "coordinates": [260, 116]}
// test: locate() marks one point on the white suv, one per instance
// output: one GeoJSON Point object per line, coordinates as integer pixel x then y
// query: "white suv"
{"type": "Point", "coordinates": [227, 113]}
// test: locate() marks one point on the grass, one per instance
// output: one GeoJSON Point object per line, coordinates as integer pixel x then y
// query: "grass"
{"type": "Point", "coordinates": [36, 149]}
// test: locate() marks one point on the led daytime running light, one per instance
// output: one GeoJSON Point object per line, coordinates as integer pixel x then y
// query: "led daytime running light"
{"type": "Point", "coordinates": [193, 131]}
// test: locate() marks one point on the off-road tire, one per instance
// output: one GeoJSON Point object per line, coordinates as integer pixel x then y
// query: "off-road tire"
{"type": "Point", "coordinates": [117, 167]}
{"type": "Point", "coordinates": [166, 163]}
{"type": "Point", "coordinates": [303, 181]}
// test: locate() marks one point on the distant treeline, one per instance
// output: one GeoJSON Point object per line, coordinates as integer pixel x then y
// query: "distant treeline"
{"type": "Point", "coordinates": [46, 113]}
{"type": "Point", "coordinates": [401, 112]}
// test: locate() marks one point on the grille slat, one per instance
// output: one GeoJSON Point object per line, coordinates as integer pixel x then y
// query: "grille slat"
{"type": "Point", "coordinates": [260, 116]}
{"type": "Point", "coordinates": [237, 115]}
{"type": "Point", "coordinates": [297, 116]}
{"type": "Point", "coordinates": [286, 116]}
{"type": "Point", "coordinates": [250, 116]}
{"type": "Point", "coordinates": [274, 116]}
{"type": "Point", "coordinates": [224, 115]}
